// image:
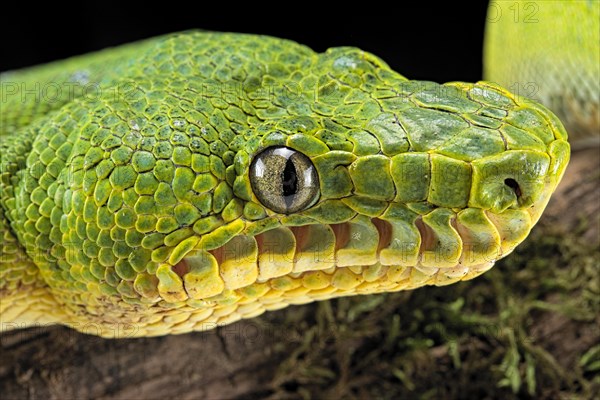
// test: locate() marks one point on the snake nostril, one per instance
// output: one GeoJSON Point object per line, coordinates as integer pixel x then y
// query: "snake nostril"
{"type": "Point", "coordinates": [511, 183]}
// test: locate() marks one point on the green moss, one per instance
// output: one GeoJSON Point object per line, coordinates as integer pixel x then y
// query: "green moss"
{"type": "Point", "coordinates": [526, 329]}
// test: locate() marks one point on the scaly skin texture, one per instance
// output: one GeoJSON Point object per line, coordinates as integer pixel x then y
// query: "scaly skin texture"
{"type": "Point", "coordinates": [548, 50]}
{"type": "Point", "coordinates": [128, 208]}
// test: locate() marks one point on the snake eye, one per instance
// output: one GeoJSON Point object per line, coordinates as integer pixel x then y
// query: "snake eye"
{"type": "Point", "coordinates": [284, 180]}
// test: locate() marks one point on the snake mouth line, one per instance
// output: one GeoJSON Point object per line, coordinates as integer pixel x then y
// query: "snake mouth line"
{"type": "Point", "coordinates": [365, 251]}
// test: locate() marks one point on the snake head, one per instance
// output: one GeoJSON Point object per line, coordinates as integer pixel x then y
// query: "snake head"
{"type": "Point", "coordinates": [244, 173]}
{"type": "Point", "coordinates": [369, 182]}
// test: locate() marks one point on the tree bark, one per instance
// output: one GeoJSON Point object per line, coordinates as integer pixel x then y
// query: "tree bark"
{"type": "Point", "coordinates": [576, 203]}
{"type": "Point", "coordinates": [59, 363]}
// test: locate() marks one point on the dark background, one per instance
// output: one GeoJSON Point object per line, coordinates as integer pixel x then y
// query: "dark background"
{"type": "Point", "coordinates": [421, 40]}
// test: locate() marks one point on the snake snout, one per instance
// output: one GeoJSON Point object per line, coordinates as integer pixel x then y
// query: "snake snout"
{"type": "Point", "coordinates": [514, 179]}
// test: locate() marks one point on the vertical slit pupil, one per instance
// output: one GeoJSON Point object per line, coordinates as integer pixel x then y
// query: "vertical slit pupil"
{"type": "Point", "coordinates": [290, 179]}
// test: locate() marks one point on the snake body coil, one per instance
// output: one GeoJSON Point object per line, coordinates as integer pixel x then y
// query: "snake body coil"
{"type": "Point", "coordinates": [200, 178]}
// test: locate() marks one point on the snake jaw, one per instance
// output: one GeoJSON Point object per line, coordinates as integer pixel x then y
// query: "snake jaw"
{"type": "Point", "coordinates": [364, 255]}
